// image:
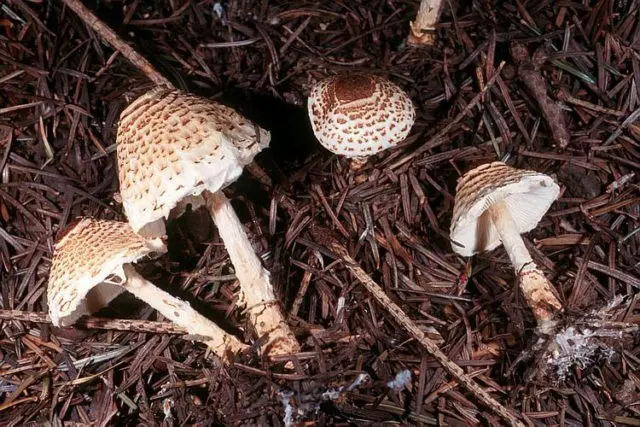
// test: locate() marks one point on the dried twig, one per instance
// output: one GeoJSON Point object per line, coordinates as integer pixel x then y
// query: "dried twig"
{"type": "Point", "coordinates": [324, 236]}
{"type": "Point", "coordinates": [117, 43]}
{"type": "Point", "coordinates": [529, 73]}
{"type": "Point", "coordinates": [90, 322]}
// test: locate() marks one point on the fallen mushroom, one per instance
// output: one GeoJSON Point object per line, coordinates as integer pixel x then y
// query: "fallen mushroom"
{"type": "Point", "coordinates": [92, 264]}
{"type": "Point", "coordinates": [176, 148]}
{"type": "Point", "coordinates": [494, 204]}
{"type": "Point", "coordinates": [359, 115]}
{"type": "Point", "coordinates": [422, 30]}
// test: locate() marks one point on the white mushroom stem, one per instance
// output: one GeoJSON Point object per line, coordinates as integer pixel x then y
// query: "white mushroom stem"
{"type": "Point", "coordinates": [510, 236]}
{"type": "Point", "coordinates": [255, 285]}
{"type": "Point", "coordinates": [357, 163]}
{"type": "Point", "coordinates": [535, 287]}
{"type": "Point", "coordinates": [421, 31]}
{"type": "Point", "coordinates": [181, 313]}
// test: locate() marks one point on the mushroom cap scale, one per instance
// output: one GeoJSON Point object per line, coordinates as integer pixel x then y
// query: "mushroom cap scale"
{"type": "Point", "coordinates": [357, 115]}
{"type": "Point", "coordinates": [171, 145]}
{"type": "Point", "coordinates": [87, 261]}
{"type": "Point", "coordinates": [526, 194]}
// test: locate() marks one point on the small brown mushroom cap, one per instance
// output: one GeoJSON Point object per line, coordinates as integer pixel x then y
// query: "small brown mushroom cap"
{"type": "Point", "coordinates": [527, 195]}
{"type": "Point", "coordinates": [357, 115]}
{"type": "Point", "coordinates": [172, 145]}
{"type": "Point", "coordinates": [86, 267]}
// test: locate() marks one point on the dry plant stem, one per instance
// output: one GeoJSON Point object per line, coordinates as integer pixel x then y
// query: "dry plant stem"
{"type": "Point", "coordinates": [117, 43]}
{"type": "Point", "coordinates": [421, 31]}
{"type": "Point", "coordinates": [90, 322]}
{"type": "Point", "coordinates": [432, 348]}
{"type": "Point", "coordinates": [529, 73]}
{"type": "Point", "coordinates": [537, 290]}
{"type": "Point", "coordinates": [256, 289]}
{"type": "Point", "coordinates": [219, 341]}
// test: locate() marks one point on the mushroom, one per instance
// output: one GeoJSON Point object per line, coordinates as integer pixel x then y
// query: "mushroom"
{"type": "Point", "coordinates": [175, 148]}
{"type": "Point", "coordinates": [422, 30]}
{"type": "Point", "coordinates": [359, 115]}
{"type": "Point", "coordinates": [92, 264]}
{"type": "Point", "coordinates": [494, 204]}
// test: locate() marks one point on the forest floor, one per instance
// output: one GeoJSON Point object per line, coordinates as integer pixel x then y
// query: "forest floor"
{"type": "Point", "coordinates": [62, 89]}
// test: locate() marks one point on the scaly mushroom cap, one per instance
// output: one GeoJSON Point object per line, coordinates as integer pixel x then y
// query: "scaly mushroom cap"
{"type": "Point", "coordinates": [171, 145]}
{"type": "Point", "coordinates": [86, 267]}
{"type": "Point", "coordinates": [357, 115]}
{"type": "Point", "coordinates": [527, 194]}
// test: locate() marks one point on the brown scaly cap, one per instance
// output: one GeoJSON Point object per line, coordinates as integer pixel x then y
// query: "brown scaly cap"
{"type": "Point", "coordinates": [172, 145]}
{"type": "Point", "coordinates": [527, 194]}
{"type": "Point", "coordinates": [357, 115]}
{"type": "Point", "coordinates": [88, 253]}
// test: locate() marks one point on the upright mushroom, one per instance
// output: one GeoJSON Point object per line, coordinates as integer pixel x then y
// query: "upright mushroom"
{"type": "Point", "coordinates": [359, 115]}
{"type": "Point", "coordinates": [92, 264]}
{"type": "Point", "coordinates": [176, 148]}
{"type": "Point", "coordinates": [494, 204]}
{"type": "Point", "coordinates": [422, 30]}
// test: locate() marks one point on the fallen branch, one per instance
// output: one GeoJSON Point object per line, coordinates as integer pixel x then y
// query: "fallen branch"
{"type": "Point", "coordinates": [324, 236]}
{"type": "Point", "coordinates": [90, 322]}
{"type": "Point", "coordinates": [117, 43]}
{"type": "Point", "coordinates": [529, 73]}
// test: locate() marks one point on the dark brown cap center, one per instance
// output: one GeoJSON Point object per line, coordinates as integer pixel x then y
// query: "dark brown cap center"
{"type": "Point", "coordinates": [353, 87]}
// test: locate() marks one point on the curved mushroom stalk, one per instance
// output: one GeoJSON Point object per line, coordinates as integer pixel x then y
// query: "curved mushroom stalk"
{"type": "Point", "coordinates": [422, 30]}
{"type": "Point", "coordinates": [92, 264]}
{"type": "Point", "coordinates": [255, 285]}
{"type": "Point", "coordinates": [535, 287]}
{"type": "Point", "coordinates": [182, 314]}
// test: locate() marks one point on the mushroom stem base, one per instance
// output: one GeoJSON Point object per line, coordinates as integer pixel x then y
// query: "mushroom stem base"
{"type": "Point", "coordinates": [540, 296]}
{"type": "Point", "coordinates": [536, 289]}
{"type": "Point", "coordinates": [181, 313]}
{"type": "Point", "coordinates": [357, 163]}
{"type": "Point", "coordinates": [262, 307]}
{"type": "Point", "coordinates": [422, 30]}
